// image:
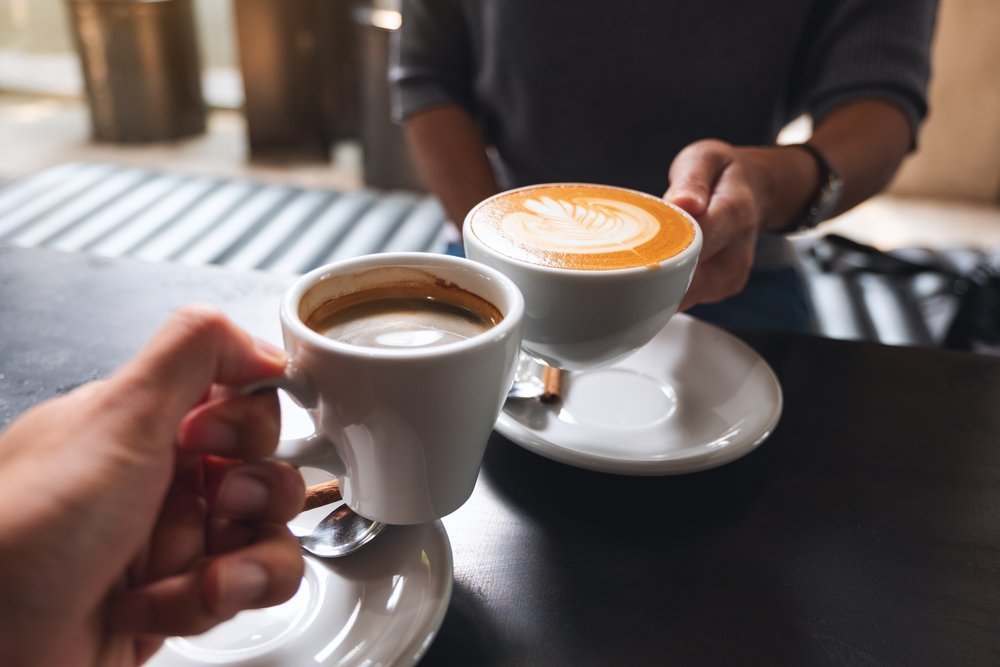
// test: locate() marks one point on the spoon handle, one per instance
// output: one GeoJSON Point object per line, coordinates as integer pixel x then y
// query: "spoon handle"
{"type": "Point", "coordinates": [321, 494]}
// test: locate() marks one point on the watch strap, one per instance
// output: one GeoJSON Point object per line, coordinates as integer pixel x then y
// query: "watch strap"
{"type": "Point", "coordinates": [826, 197]}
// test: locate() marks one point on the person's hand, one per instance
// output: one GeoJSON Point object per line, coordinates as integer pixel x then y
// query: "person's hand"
{"type": "Point", "coordinates": [709, 181]}
{"type": "Point", "coordinates": [733, 193]}
{"type": "Point", "coordinates": [141, 506]}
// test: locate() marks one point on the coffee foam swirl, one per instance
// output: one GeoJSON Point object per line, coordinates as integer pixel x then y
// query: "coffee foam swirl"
{"type": "Point", "coordinates": [581, 226]}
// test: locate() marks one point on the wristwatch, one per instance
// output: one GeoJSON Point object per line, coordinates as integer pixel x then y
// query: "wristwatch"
{"type": "Point", "coordinates": [827, 196]}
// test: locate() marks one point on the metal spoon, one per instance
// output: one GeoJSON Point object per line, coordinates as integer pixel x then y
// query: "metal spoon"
{"type": "Point", "coordinates": [342, 531]}
{"type": "Point", "coordinates": [534, 380]}
{"type": "Point", "coordinates": [527, 380]}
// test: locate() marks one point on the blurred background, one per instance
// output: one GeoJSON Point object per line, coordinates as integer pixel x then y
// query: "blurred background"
{"type": "Point", "coordinates": [286, 85]}
{"type": "Point", "coordinates": [274, 89]}
{"type": "Point", "coordinates": [263, 126]}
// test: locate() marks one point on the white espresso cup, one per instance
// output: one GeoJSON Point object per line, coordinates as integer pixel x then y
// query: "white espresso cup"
{"type": "Point", "coordinates": [602, 268]}
{"type": "Point", "coordinates": [401, 419]}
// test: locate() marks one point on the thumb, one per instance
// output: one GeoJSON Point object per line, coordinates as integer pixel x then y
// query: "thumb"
{"type": "Point", "coordinates": [197, 347]}
{"type": "Point", "coordinates": [694, 173]}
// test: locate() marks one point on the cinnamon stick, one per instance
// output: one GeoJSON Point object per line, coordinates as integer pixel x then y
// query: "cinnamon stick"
{"type": "Point", "coordinates": [321, 494]}
{"type": "Point", "coordinates": [552, 383]}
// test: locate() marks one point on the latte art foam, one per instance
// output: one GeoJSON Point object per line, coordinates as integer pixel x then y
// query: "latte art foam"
{"type": "Point", "coordinates": [584, 225]}
{"type": "Point", "coordinates": [581, 226]}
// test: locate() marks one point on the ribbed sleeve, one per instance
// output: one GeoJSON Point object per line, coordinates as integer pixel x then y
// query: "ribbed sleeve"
{"type": "Point", "coordinates": [431, 62]}
{"type": "Point", "coordinates": [870, 49]}
{"type": "Point", "coordinates": [609, 91]}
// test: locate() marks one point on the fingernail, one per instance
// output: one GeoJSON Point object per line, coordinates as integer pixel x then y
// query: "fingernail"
{"type": "Point", "coordinates": [242, 495]}
{"type": "Point", "coordinates": [242, 584]}
{"type": "Point", "coordinates": [271, 350]}
{"type": "Point", "coordinates": [688, 197]}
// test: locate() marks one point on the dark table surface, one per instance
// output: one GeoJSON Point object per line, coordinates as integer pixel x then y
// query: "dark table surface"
{"type": "Point", "coordinates": [865, 530]}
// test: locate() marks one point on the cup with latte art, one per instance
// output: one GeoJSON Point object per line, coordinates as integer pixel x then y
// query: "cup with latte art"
{"type": "Point", "coordinates": [602, 268]}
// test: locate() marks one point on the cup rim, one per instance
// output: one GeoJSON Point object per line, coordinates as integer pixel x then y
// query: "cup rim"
{"type": "Point", "coordinates": [694, 248]}
{"type": "Point", "coordinates": [424, 260]}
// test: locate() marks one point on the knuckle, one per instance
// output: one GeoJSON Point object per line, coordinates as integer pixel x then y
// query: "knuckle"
{"type": "Point", "coordinates": [739, 208]}
{"type": "Point", "coordinates": [714, 146]}
{"type": "Point", "coordinates": [289, 574]}
{"type": "Point", "coordinates": [739, 282]}
{"type": "Point", "coordinates": [184, 617]}
{"type": "Point", "coordinates": [711, 154]}
{"type": "Point", "coordinates": [260, 422]}
{"type": "Point", "coordinates": [199, 319]}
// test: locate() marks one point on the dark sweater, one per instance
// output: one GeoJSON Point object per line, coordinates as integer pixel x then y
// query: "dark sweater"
{"type": "Point", "coordinates": [608, 91]}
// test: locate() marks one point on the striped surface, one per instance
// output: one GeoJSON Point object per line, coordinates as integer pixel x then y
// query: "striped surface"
{"type": "Point", "coordinates": [130, 212]}
{"type": "Point", "coordinates": [125, 211]}
{"type": "Point", "coordinates": [895, 310]}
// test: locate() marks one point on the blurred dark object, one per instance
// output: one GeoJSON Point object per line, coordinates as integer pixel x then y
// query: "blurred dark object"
{"type": "Point", "coordinates": [387, 161]}
{"type": "Point", "coordinates": [141, 68]}
{"type": "Point", "coordinates": [951, 297]}
{"type": "Point", "coordinates": [314, 73]}
{"type": "Point", "coordinates": [280, 60]}
{"type": "Point", "coordinates": [339, 60]}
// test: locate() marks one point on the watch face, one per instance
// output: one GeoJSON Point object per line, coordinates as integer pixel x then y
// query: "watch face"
{"type": "Point", "coordinates": [829, 196]}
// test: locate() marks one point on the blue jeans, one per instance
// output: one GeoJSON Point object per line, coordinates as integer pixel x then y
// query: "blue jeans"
{"type": "Point", "coordinates": [775, 300]}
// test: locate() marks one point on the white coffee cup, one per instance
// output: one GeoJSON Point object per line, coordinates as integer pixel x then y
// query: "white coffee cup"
{"type": "Point", "coordinates": [577, 319]}
{"type": "Point", "coordinates": [403, 429]}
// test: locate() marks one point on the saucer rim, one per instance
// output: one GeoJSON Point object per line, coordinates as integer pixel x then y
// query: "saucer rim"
{"type": "Point", "coordinates": [686, 461]}
{"type": "Point", "coordinates": [408, 652]}
{"type": "Point", "coordinates": [422, 639]}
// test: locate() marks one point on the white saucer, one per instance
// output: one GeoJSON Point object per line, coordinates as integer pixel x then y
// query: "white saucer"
{"type": "Point", "coordinates": [381, 605]}
{"type": "Point", "coordinates": [693, 398]}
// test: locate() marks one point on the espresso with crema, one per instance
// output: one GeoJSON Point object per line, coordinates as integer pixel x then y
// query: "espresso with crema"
{"type": "Point", "coordinates": [581, 226]}
{"type": "Point", "coordinates": [404, 315]}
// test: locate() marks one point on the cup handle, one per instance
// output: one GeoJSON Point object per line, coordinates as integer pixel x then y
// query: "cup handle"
{"type": "Point", "coordinates": [313, 450]}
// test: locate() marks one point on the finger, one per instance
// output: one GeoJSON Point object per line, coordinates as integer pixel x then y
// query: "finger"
{"type": "Point", "coordinates": [721, 277]}
{"type": "Point", "coordinates": [694, 173]}
{"type": "Point", "coordinates": [88, 390]}
{"type": "Point", "coordinates": [732, 217]}
{"type": "Point", "coordinates": [145, 647]}
{"type": "Point", "coordinates": [243, 427]}
{"type": "Point", "coordinates": [196, 347]}
{"type": "Point", "coordinates": [262, 575]}
{"type": "Point", "coordinates": [231, 580]}
{"type": "Point", "coordinates": [179, 537]}
{"type": "Point", "coordinates": [227, 535]}
{"type": "Point", "coordinates": [261, 491]}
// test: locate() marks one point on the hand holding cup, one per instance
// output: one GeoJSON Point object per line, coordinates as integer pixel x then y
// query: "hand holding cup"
{"type": "Point", "coordinates": [403, 361]}
{"type": "Point", "coordinates": [602, 268]}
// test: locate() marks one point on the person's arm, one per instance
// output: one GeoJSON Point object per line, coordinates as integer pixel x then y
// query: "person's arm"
{"type": "Point", "coordinates": [450, 154]}
{"type": "Point", "coordinates": [864, 141]}
{"type": "Point", "coordinates": [737, 192]}
{"type": "Point", "coordinates": [431, 80]}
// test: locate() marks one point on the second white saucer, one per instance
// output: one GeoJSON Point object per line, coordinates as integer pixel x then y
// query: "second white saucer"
{"type": "Point", "coordinates": [694, 398]}
{"type": "Point", "coordinates": [381, 605]}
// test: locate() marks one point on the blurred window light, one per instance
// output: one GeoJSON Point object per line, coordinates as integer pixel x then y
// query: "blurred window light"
{"type": "Point", "coordinates": [37, 53]}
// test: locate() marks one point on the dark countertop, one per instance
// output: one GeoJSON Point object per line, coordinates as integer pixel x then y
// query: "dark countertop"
{"type": "Point", "coordinates": [866, 529]}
